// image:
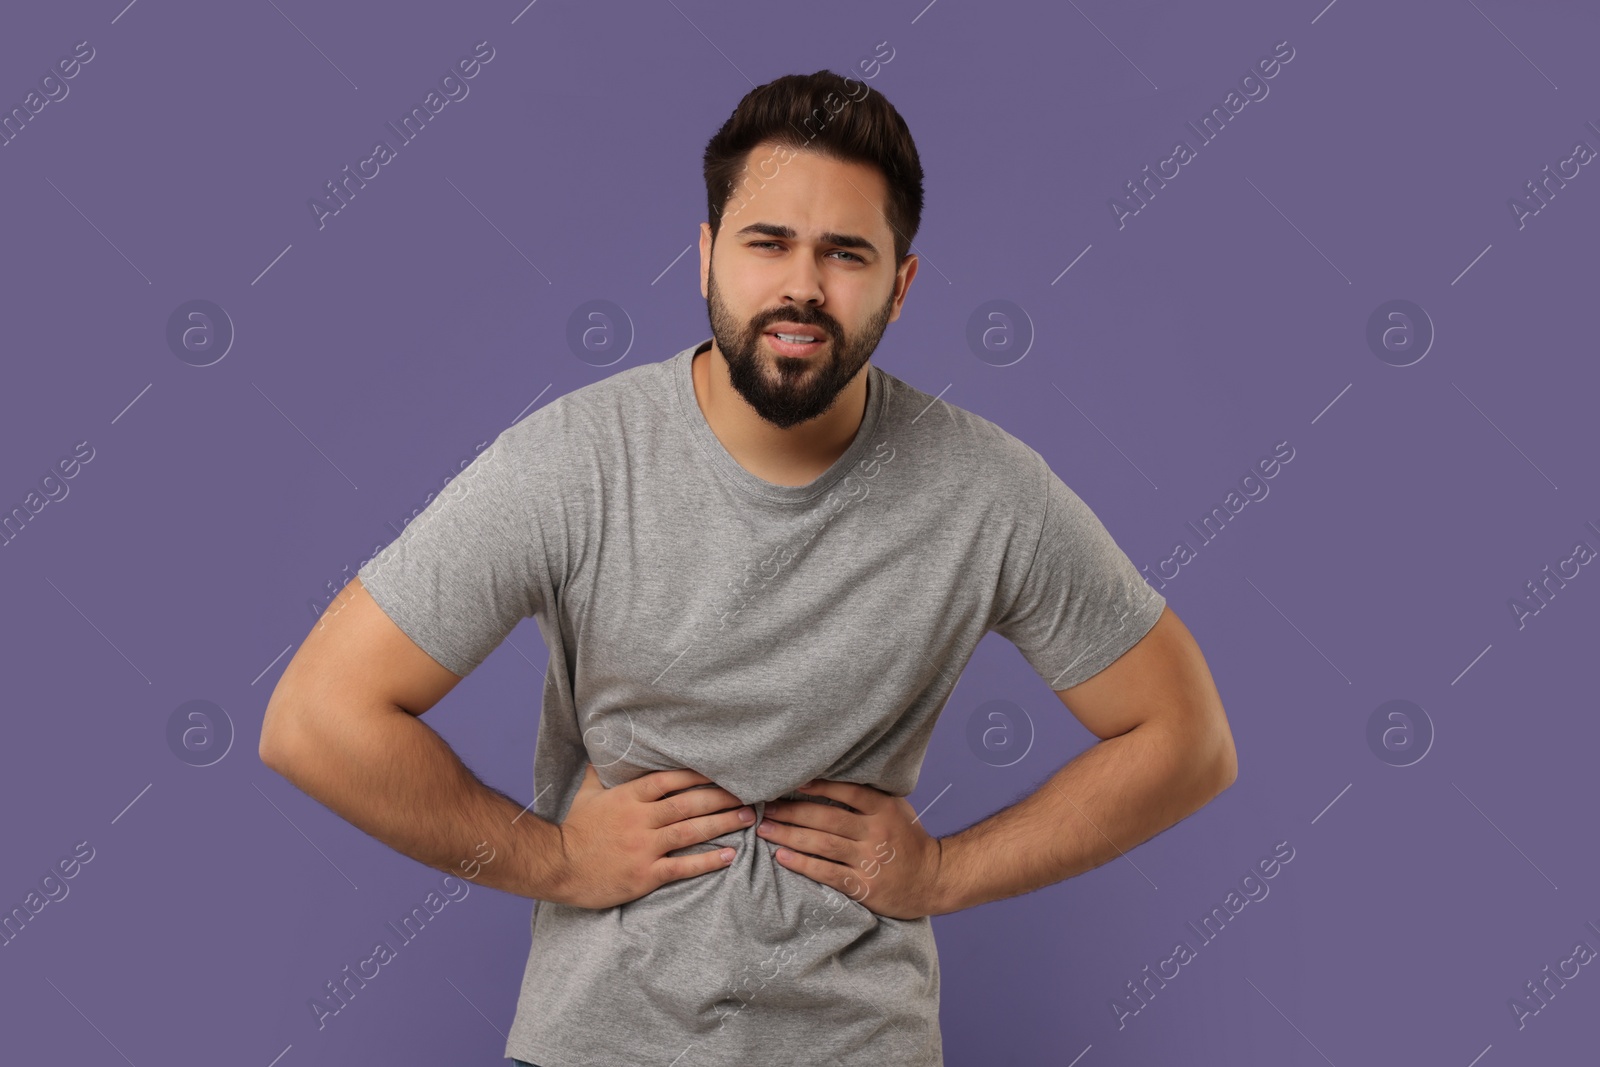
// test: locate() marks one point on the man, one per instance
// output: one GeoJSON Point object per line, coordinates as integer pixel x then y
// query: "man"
{"type": "Point", "coordinates": [759, 566]}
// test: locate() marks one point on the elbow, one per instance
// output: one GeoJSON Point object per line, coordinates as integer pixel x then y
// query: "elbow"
{"type": "Point", "coordinates": [1227, 769]}
{"type": "Point", "coordinates": [1225, 762]}
{"type": "Point", "coordinates": [277, 736]}
{"type": "Point", "coordinates": [1210, 760]}
{"type": "Point", "coordinates": [270, 750]}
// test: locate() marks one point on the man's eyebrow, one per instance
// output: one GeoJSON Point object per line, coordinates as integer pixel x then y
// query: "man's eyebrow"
{"type": "Point", "coordinates": [843, 240]}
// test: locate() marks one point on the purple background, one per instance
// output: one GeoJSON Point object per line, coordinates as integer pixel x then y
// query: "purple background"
{"type": "Point", "coordinates": [1228, 315]}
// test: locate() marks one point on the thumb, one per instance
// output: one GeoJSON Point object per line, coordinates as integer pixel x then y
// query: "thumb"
{"type": "Point", "coordinates": [591, 778]}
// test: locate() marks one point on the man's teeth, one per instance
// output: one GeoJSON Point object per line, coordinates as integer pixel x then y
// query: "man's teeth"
{"type": "Point", "coordinates": [794, 339]}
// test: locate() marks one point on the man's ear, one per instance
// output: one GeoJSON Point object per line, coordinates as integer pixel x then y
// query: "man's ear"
{"type": "Point", "coordinates": [705, 258]}
{"type": "Point", "coordinates": [907, 271]}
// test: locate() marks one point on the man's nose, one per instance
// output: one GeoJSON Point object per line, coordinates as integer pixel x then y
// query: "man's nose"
{"type": "Point", "coordinates": [802, 282]}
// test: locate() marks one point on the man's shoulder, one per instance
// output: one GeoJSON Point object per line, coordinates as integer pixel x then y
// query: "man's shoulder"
{"type": "Point", "coordinates": [965, 444]}
{"type": "Point", "coordinates": [595, 413]}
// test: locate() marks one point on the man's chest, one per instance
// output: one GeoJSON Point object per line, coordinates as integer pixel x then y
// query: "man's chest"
{"type": "Point", "coordinates": [705, 638]}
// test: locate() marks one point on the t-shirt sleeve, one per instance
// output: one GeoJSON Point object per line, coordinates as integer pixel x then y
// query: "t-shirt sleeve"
{"type": "Point", "coordinates": [1080, 601]}
{"type": "Point", "coordinates": [472, 564]}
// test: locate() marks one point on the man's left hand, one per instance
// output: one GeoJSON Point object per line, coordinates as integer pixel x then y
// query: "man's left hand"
{"type": "Point", "coordinates": [876, 852]}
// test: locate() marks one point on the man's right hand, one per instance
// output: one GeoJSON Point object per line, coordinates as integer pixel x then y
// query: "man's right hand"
{"type": "Point", "coordinates": [614, 842]}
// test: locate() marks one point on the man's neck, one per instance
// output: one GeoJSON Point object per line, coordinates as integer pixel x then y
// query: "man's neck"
{"type": "Point", "coordinates": [796, 456]}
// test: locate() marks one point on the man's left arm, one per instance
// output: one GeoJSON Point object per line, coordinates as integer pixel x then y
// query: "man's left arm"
{"type": "Point", "coordinates": [1165, 750]}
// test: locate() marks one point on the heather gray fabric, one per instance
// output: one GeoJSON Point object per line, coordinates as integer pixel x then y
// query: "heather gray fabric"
{"type": "Point", "coordinates": [699, 616]}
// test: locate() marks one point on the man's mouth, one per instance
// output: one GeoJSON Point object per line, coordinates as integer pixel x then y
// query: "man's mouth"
{"type": "Point", "coordinates": [799, 341]}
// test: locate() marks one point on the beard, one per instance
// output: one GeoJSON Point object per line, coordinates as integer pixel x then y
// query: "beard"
{"type": "Point", "coordinates": [789, 390]}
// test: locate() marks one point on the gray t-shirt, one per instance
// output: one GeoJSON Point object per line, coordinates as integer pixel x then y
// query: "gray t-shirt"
{"type": "Point", "coordinates": [699, 616]}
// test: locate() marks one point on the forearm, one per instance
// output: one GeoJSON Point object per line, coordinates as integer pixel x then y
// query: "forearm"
{"type": "Point", "coordinates": [388, 773]}
{"type": "Point", "coordinates": [1120, 792]}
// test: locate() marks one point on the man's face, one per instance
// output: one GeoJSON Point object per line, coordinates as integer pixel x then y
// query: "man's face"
{"type": "Point", "coordinates": [810, 250]}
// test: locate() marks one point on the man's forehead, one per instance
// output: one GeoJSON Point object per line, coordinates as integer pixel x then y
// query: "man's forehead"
{"type": "Point", "coordinates": [811, 195]}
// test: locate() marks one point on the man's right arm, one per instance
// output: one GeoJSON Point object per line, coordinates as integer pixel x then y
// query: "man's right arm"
{"type": "Point", "coordinates": [344, 726]}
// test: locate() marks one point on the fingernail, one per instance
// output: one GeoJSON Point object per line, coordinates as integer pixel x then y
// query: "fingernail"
{"type": "Point", "coordinates": [747, 815]}
{"type": "Point", "coordinates": [727, 855]}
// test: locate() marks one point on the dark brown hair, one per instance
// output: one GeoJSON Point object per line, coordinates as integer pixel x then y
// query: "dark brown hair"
{"type": "Point", "coordinates": [838, 117]}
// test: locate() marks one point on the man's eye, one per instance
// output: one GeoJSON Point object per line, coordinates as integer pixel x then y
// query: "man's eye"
{"type": "Point", "coordinates": [774, 244]}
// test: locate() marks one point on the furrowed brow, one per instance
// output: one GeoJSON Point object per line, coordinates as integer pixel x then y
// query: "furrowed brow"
{"type": "Point", "coordinates": [842, 240]}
